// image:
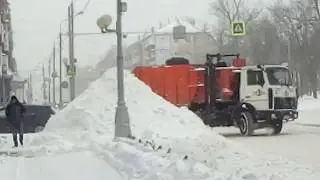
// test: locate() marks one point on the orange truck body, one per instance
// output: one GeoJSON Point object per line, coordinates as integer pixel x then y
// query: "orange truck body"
{"type": "Point", "coordinates": [184, 84]}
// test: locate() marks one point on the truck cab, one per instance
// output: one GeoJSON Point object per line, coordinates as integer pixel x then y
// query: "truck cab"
{"type": "Point", "coordinates": [269, 95]}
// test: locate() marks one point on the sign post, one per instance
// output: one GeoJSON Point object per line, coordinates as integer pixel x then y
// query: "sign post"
{"type": "Point", "coordinates": [238, 28]}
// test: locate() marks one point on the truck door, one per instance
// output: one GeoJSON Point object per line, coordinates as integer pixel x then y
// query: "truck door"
{"type": "Point", "coordinates": [253, 89]}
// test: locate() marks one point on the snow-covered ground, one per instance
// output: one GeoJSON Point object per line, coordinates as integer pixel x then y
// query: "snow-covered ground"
{"type": "Point", "coordinates": [78, 165]}
{"type": "Point", "coordinates": [309, 109]}
{"type": "Point", "coordinates": [298, 142]}
{"type": "Point", "coordinates": [171, 144]}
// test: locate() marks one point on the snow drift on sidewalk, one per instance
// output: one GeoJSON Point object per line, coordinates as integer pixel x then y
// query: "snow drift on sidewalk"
{"type": "Point", "coordinates": [89, 122]}
{"type": "Point", "coordinates": [74, 166]}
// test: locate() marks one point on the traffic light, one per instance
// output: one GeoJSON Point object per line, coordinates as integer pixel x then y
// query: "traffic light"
{"type": "Point", "coordinates": [71, 70]}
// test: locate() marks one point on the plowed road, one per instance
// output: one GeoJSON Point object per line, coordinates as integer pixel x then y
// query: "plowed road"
{"type": "Point", "coordinates": [297, 142]}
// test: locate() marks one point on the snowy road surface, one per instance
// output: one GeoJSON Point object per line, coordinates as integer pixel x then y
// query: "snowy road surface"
{"type": "Point", "coordinates": [172, 143]}
{"type": "Point", "coordinates": [299, 143]}
{"type": "Point", "coordinates": [80, 166]}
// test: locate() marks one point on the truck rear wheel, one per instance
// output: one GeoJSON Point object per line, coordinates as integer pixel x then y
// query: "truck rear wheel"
{"type": "Point", "coordinates": [277, 127]}
{"type": "Point", "coordinates": [246, 124]}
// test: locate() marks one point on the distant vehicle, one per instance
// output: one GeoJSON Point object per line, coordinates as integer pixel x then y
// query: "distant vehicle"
{"type": "Point", "coordinates": [248, 97]}
{"type": "Point", "coordinates": [35, 117]}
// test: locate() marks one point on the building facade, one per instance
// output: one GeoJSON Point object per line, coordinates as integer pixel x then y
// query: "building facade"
{"type": "Point", "coordinates": [11, 82]}
{"type": "Point", "coordinates": [156, 47]}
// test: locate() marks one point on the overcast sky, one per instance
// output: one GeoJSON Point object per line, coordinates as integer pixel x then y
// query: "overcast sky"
{"type": "Point", "coordinates": [36, 25]}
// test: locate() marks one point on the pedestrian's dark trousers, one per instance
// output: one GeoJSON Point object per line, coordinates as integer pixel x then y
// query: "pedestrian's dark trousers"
{"type": "Point", "coordinates": [17, 129]}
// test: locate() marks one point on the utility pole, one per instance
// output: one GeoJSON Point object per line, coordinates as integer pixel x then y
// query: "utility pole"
{"type": "Point", "coordinates": [289, 44]}
{"type": "Point", "coordinates": [44, 85]}
{"type": "Point", "coordinates": [54, 76]}
{"type": "Point", "coordinates": [60, 70]}
{"type": "Point", "coordinates": [122, 128]}
{"type": "Point", "coordinates": [70, 19]}
{"type": "Point", "coordinates": [290, 63]}
{"type": "Point", "coordinates": [30, 90]}
{"type": "Point", "coordinates": [49, 80]}
{"type": "Point", "coordinates": [71, 50]}
{"type": "Point", "coordinates": [122, 119]}
{"type": "Point", "coordinates": [2, 78]}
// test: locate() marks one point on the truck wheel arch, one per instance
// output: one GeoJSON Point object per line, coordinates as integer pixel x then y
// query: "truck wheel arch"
{"type": "Point", "coordinates": [242, 107]}
{"type": "Point", "coordinates": [248, 107]}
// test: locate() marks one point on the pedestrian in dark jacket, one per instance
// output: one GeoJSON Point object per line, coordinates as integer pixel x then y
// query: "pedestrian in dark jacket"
{"type": "Point", "coordinates": [14, 113]}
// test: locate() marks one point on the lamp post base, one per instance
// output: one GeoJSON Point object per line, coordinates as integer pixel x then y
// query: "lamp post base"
{"type": "Point", "coordinates": [122, 122]}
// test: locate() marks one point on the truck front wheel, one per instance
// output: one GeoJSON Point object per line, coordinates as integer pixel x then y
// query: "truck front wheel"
{"type": "Point", "coordinates": [246, 124]}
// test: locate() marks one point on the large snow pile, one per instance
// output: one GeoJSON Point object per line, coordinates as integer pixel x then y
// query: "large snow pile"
{"type": "Point", "coordinates": [188, 150]}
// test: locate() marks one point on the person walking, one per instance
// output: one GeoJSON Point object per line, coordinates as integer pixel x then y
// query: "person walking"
{"type": "Point", "coordinates": [14, 113]}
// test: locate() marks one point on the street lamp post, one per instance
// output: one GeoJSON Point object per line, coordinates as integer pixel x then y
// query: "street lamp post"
{"type": "Point", "coordinates": [60, 69]}
{"type": "Point", "coordinates": [49, 80]}
{"type": "Point", "coordinates": [54, 76]}
{"type": "Point", "coordinates": [71, 50]}
{"type": "Point", "coordinates": [122, 128]}
{"type": "Point", "coordinates": [122, 120]}
{"type": "Point", "coordinates": [60, 56]}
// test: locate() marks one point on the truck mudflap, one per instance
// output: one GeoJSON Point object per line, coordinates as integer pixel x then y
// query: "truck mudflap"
{"type": "Point", "coordinates": [35, 119]}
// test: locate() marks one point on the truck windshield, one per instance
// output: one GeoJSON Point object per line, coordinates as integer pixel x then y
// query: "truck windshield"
{"type": "Point", "coordinates": [278, 76]}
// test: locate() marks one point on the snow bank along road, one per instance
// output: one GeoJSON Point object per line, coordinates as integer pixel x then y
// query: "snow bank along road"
{"type": "Point", "coordinates": [80, 166]}
{"type": "Point", "coordinates": [300, 140]}
{"type": "Point", "coordinates": [172, 144]}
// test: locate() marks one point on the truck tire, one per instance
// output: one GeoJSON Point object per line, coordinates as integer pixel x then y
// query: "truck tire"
{"type": "Point", "coordinates": [277, 127]}
{"type": "Point", "coordinates": [246, 124]}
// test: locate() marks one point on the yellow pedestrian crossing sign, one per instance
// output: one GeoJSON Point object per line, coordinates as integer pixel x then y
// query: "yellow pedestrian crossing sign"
{"type": "Point", "coordinates": [238, 28]}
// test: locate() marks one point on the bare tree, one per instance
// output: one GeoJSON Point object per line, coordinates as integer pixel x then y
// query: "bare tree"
{"type": "Point", "coordinates": [226, 12]}
{"type": "Point", "coordinates": [190, 20]}
{"type": "Point", "coordinates": [220, 37]}
{"type": "Point", "coordinates": [265, 43]}
{"type": "Point", "coordinates": [232, 10]}
{"type": "Point", "coordinates": [316, 6]}
{"type": "Point", "coordinates": [297, 24]}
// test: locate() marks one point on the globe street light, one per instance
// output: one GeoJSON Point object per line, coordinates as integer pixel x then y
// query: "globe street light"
{"type": "Point", "coordinates": [122, 120]}
{"type": "Point", "coordinates": [104, 22]}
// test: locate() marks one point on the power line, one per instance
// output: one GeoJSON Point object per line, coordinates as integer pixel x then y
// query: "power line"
{"type": "Point", "coordinates": [86, 5]}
